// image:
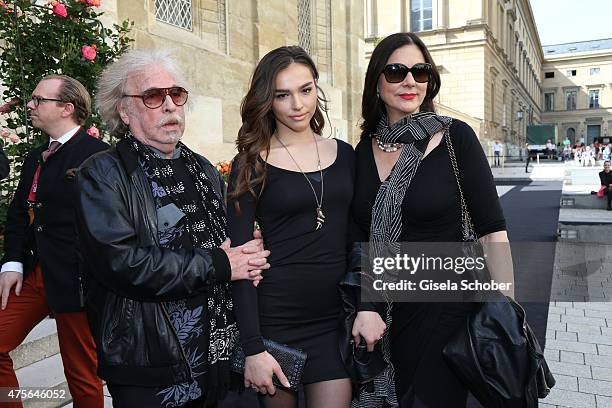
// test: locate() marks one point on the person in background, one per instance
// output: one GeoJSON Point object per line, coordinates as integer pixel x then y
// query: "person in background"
{"type": "Point", "coordinates": [605, 177]}
{"type": "Point", "coordinates": [550, 147]}
{"type": "Point", "coordinates": [497, 151]}
{"type": "Point", "coordinates": [41, 254]}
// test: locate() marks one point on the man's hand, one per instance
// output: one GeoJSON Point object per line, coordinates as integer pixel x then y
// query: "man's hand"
{"type": "Point", "coordinates": [370, 326]}
{"type": "Point", "coordinates": [258, 371]}
{"type": "Point", "coordinates": [248, 260]}
{"type": "Point", "coordinates": [9, 279]}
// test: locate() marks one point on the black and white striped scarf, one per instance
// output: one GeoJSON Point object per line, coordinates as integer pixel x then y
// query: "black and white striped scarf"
{"type": "Point", "coordinates": [387, 226]}
{"type": "Point", "coordinates": [386, 213]}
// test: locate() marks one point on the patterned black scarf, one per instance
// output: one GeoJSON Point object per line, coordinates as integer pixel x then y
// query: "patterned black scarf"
{"type": "Point", "coordinates": [387, 212]}
{"type": "Point", "coordinates": [206, 228]}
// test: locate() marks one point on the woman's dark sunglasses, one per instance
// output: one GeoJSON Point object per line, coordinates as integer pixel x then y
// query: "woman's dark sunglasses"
{"type": "Point", "coordinates": [395, 73]}
{"type": "Point", "coordinates": [154, 98]}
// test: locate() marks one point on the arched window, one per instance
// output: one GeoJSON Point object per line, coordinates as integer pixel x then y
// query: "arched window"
{"type": "Point", "coordinates": [571, 135]}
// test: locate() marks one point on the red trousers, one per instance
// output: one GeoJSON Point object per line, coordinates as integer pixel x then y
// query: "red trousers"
{"type": "Point", "coordinates": [76, 344]}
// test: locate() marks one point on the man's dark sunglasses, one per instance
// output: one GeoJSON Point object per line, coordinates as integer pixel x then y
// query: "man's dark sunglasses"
{"type": "Point", "coordinates": [154, 98]}
{"type": "Point", "coordinates": [395, 73]}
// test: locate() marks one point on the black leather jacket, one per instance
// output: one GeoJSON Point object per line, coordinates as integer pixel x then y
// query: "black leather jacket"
{"type": "Point", "coordinates": [128, 275]}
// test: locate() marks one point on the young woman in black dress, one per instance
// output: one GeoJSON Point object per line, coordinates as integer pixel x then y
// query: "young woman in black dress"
{"type": "Point", "coordinates": [298, 187]}
{"type": "Point", "coordinates": [402, 150]}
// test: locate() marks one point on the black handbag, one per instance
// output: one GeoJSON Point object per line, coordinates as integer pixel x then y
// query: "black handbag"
{"type": "Point", "coordinates": [498, 358]}
{"type": "Point", "coordinates": [291, 361]}
{"type": "Point", "coordinates": [496, 354]}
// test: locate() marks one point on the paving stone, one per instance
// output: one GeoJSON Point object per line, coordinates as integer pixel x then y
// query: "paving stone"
{"type": "Point", "coordinates": [556, 310]}
{"type": "Point", "coordinates": [605, 306]}
{"type": "Point", "coordinates": [598, 361]}
{"type": "Point", "coordinates": [595, 386]}
{"type": "Point", "coordinates": [606, 331]}
{"type": "Point", "coordinates": [598, 313]}
{"type": "Point", "coordinates": [571, 357]}
{"type": "Point", "coordinates": [569, 398]}
{"type": "Point", "coordinates": [574, 346]}
{"type": "Point", "coordinates": [576, 312]}
{"type": "Point", "coordinates": [550, 335]}
{"type": "Point", "coordinates": [567, 336]}
{"type": "Point", "coordinates": [594, 338]}
{"type": "Point", "coordinates": [566, 382]}
{"type": "Point", "coordinates": [602, 350]}
{"type": "Point", "coordinates": [603, 402]}
{"type": "Point", "coordinates": [576, 370]}
{"type": "Point", "coordinates": [593, 321]}
{"type": "Point", "coordinates": [543, 405]}
{"type": "Point", "coordinates": [558, 326]}
{"type": "Point", "coordinates": [552, 355]}
{"type": "Point", "coordinates": [564, 304]}
{"type": "Point", "coordinates": [582, 328]}
{"type": "Point", "coordinates": [602, 373]}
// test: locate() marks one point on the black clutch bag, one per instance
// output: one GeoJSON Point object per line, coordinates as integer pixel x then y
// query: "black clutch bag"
{"type": "Point", "coordinates": [291, 361]}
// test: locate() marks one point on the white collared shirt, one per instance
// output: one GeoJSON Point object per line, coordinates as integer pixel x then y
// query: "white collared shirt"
{"type": "Point", "coordinates": [18, 266]}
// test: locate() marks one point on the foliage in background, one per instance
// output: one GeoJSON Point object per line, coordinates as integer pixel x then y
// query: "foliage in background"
{"type": "Point", "coordinates": [37, 39]}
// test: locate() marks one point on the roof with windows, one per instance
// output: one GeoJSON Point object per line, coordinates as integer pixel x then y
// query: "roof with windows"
{"type": "Point", "coordinates": [575, 47]}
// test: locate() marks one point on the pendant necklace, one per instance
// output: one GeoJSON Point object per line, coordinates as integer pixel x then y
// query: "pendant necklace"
{"type": "Point", "coordinates": [320, 217]}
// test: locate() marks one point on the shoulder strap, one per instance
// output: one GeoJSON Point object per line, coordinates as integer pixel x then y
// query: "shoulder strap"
{"type": "Point", "coordinates": [467, 227]}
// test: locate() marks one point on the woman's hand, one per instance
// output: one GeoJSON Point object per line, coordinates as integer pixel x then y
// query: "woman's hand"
{"type": "Point", "coordinates": [258, 371]}
{"type": "Point", "coordinates": [370, 326]}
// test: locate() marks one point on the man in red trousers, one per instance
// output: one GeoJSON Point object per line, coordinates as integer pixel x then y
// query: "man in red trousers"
{"type": "Point", "coordinates": [40, 269]}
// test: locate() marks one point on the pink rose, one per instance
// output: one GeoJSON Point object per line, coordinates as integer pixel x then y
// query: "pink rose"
{"type": "Point", "coordinates": [88, 52]}
{"type": "Point", "coordinates": [59, 9]}
{"type": "Point", "coordinates": [94, 132]}
{"type": "Point", "coordinates": [7, 134]}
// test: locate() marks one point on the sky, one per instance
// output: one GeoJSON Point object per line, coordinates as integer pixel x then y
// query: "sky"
{"type": "Point", "coordinates": [563, 21]}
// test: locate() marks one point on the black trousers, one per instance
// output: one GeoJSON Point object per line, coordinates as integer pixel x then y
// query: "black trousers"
{"type": "Point", "coordinates": [608, 194]}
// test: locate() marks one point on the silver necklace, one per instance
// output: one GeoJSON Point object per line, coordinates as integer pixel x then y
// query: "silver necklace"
{"type": "Point", "coordinates": [388, 147]}
{"type": "Point", "coordinates": [320, 217]}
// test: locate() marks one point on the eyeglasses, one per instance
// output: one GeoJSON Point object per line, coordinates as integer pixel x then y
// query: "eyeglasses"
{"type": "Point", "coordinates": [154, 98]}
{"type": "Point", "coordinates": [38, 99]}
{"type": "Point", "coordinates": [395, 73]}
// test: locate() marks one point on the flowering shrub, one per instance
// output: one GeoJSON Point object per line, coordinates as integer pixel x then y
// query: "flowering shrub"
{"type": "Point", "coordinates": [59, 37]}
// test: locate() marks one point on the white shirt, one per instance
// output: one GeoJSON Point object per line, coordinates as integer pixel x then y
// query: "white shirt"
{"type": "Point", "coordinates": [18, 266]}
{"type": "Point", "coordinates": [497, 147]}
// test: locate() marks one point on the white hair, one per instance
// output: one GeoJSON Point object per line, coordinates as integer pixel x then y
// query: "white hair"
{"type": "Point", "coordinates": [112, 84]}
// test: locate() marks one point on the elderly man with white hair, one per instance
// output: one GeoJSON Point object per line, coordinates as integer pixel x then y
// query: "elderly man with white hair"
{"type": "Point", "coordinates": [155, 249]}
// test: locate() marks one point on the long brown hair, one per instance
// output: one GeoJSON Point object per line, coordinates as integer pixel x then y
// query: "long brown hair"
{"type": "Point", "coordinates": [258, 121]}
{"type": "Point", "coordinates": [371, 104]}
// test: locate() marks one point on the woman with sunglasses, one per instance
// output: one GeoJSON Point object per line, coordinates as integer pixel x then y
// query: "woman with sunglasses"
{"type": "Point", "coordinates": [406, 191]}
{"type": "Point", "coordinates": [298, 187]}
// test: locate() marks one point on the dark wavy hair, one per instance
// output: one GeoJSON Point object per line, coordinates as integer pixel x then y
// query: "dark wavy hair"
{"type": "Point", "coordinates": [371, 104]}
{"type": "Point", "coordinates": [258, 121]}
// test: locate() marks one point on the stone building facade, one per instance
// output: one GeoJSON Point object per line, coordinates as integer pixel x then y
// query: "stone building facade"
{"type": "Point", "coordinates": [577, 90]}
{"type": "Point", "coordinates": [219, 42]}
{"type": "Point", "coordinates": [488, 53]}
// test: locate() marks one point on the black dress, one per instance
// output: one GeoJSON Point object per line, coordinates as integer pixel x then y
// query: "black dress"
{"type": "Point", "coordinates": [297, 303]}
{"type": "Point", "coordinates": [430, 213]}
